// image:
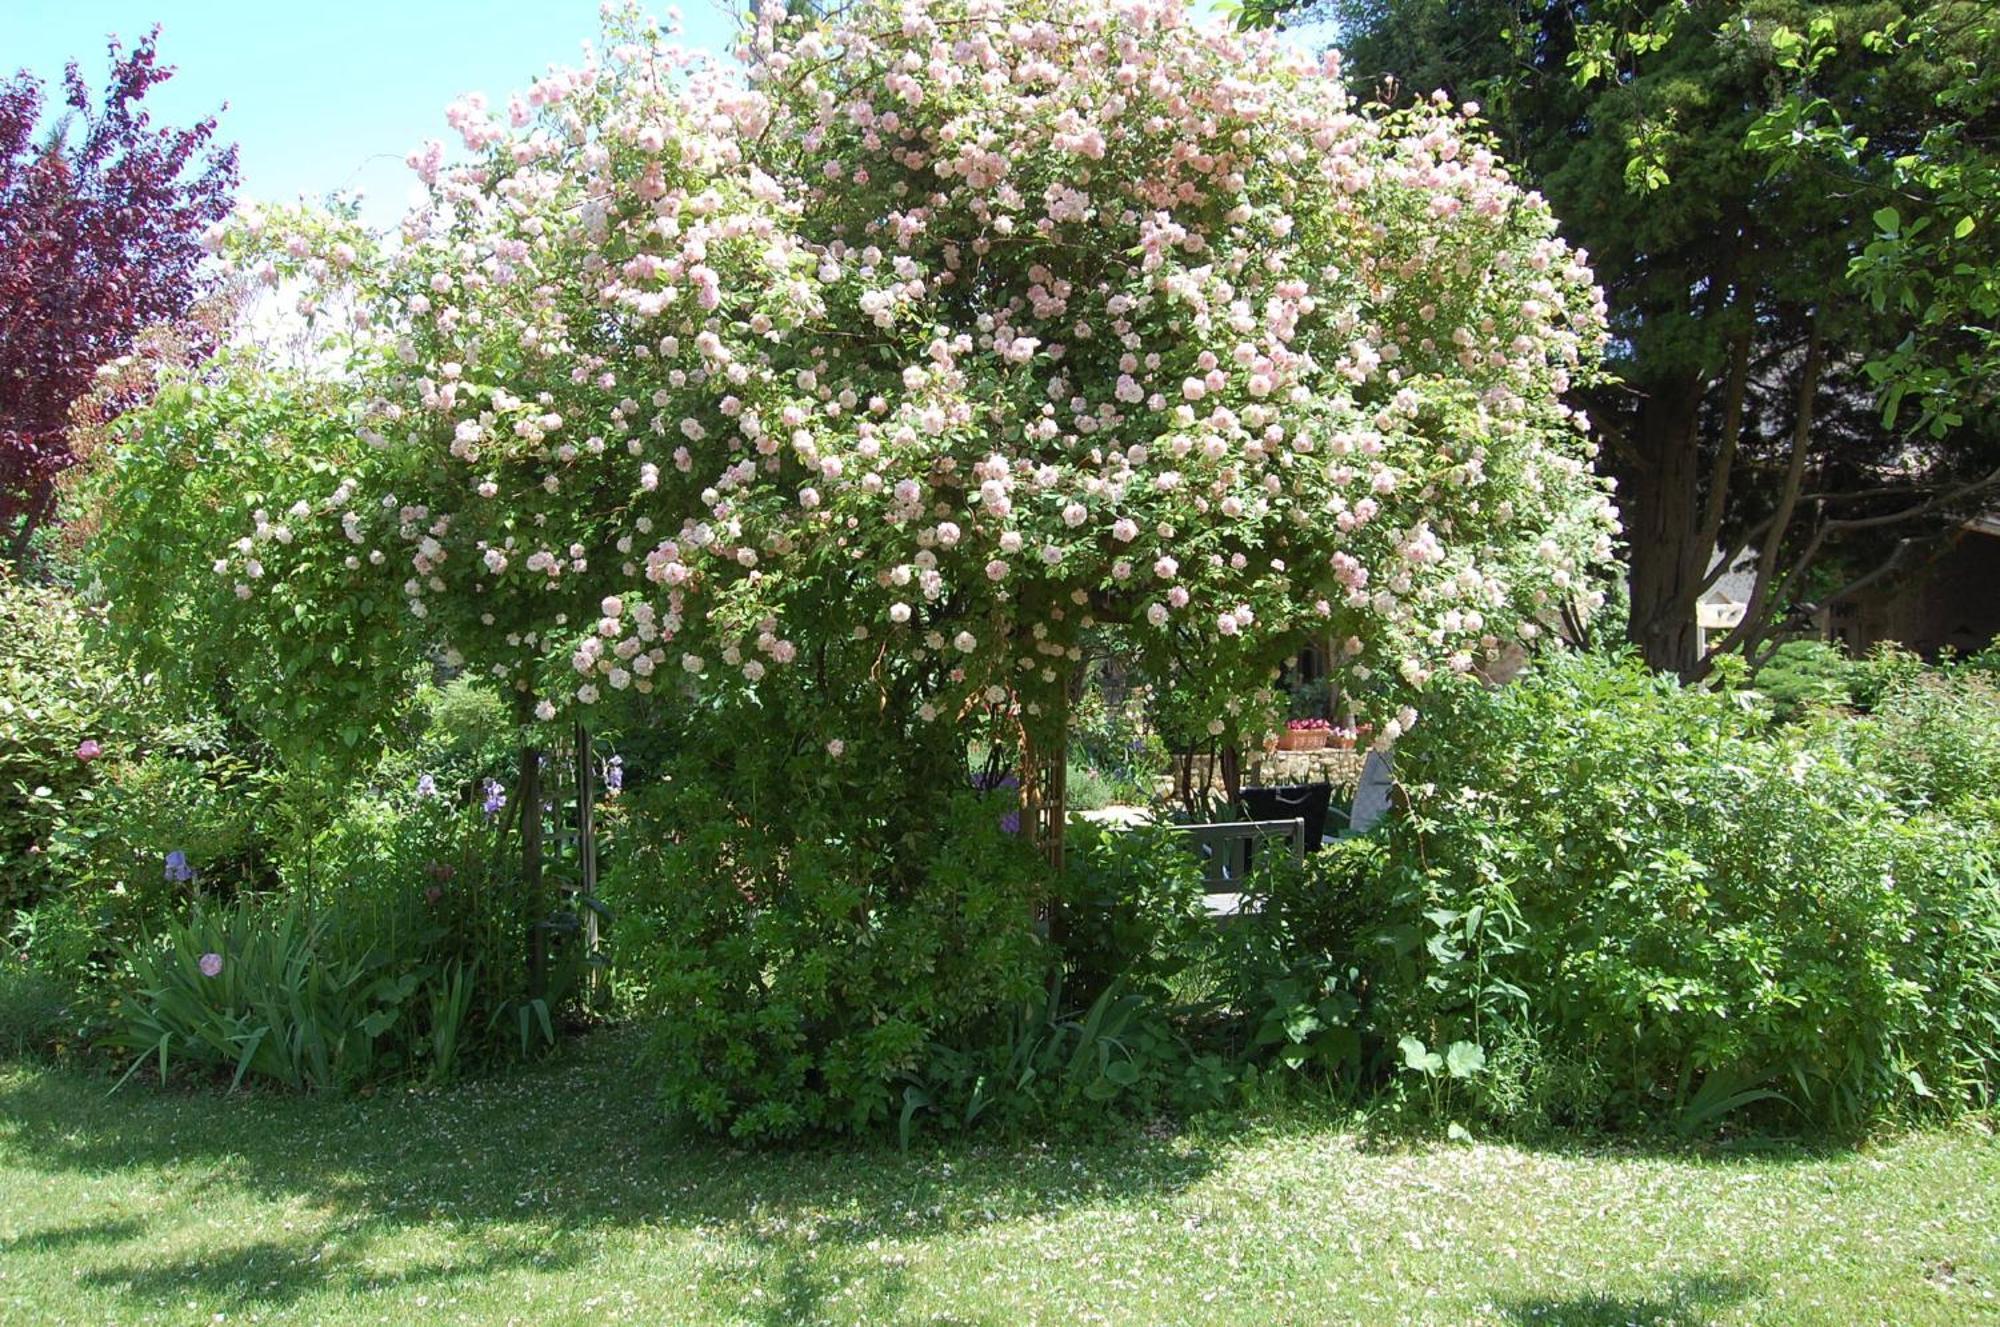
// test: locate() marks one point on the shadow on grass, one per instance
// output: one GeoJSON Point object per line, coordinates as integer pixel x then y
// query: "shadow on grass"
{"type": "Point", "coordinates": [531, 1162]}
{"type": "Point", "coordinates": [273, 1273]}
{"type": "Point", "coordinates": [1377, 1136]}
{"type": "Point", "coordinates": [61, 1238]}
{"type": "Point", "coordinates": [1686, 1302]}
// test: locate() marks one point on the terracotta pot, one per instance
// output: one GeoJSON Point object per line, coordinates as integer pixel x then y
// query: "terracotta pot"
{"type": "Point", "coordinates": [1303, 739]}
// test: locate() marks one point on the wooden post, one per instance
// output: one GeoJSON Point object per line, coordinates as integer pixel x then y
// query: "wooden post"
{"type": "Point", "coordinates": [1044, 803]}
{"type": "Point", "coordinates": [586, 847]}
{"type": "Point", "coordinates": [1044, 785]}
{"type": "Point", "coordinates": [531, 868]}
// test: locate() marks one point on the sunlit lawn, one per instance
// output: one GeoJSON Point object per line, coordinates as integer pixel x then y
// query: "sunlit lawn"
{"type": "Point", "coordinates": [552, 1197]}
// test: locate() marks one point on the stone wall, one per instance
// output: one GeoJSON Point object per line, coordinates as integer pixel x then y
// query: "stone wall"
{"type": "Point", "coordinates": [1263, 769]}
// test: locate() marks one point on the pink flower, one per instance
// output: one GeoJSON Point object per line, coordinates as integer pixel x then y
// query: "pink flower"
{"type": "Point", "coordinates": [88, 750]}
{"type": "Point", "coordinates": [211, 965]}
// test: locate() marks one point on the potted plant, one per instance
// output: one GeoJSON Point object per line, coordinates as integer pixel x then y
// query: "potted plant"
{"type": "Point", "coordinates": [1304, 735]}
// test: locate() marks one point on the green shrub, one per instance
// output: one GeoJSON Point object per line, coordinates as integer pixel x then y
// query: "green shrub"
{"type": "Point", "coordinates": [794, 983]}
{"type": "Point", "coordinates": [247, 988]}
{"type": "Point", "coordinates": [1620, 900]}
{"type": "Point", "coordinates": [1803, 675]}
{"type": "Point", "coordinates": [1288, 967]}
{"type": "Point", "coordinates": [1933, 740]}
{"type": "Point", "coordinates": [56, 694]}
{"type": "Point", "coordinates": [1131, 909]}
{"type": "Point", "coordinates": [390, 942]}
{"type": "Point", "coordinates": [301, 997]}
{"type": "Point", "coordinates": [114, 808]}
{"type": "Point", "coordinates": [802, 930]}
{"type": "Point", "coordinates": [1053, 1065]}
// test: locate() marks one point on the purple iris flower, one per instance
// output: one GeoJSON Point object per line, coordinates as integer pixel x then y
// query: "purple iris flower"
{"type": "Point", "coordinates": [496, 798]}
{"type": "Point", "coordinates": [1011, 822]}
{"type": "Point", "coordinates": [178, 869]}
{"type": "Point", "coordinates": [426, 786]}
{"type": "Point", "coordinates": [614, 774]}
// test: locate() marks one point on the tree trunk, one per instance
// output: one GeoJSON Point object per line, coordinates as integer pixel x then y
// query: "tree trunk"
{"type": "Point", "coordinates": [1663, 520]}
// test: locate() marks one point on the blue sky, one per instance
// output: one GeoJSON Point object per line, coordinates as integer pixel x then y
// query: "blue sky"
{"type": "Point", "coordinates": [330, 94]}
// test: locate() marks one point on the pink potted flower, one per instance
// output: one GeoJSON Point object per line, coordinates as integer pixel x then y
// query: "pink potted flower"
{"type": "Point", "coordinates": [1305, 735]}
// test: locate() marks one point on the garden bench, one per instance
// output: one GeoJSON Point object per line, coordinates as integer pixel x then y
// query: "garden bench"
{"type": "Point", "coordinates": [1225, 849]}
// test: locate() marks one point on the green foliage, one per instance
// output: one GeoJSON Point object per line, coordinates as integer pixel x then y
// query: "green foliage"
{"type": "Point", "coordinates": [1638, 902]}
{"type": "Point", "coordinates": [1132, 909]}
{"type": "Point", "coordinates": [1289, 967]}
{"type": "Point", "coordinates": [800, 931]}
{"type": "Point", "coordinates": [85, 843]}
{"type": "Point", "coordinates": [316, 660]}
{"type": "Point", "coordinates": [256, 990]}
{"type": "Point", "coordinates": [339, 870]}
{"type": "Point", "coordinates": [1049, 1065]}
{"type": "Point", "coordinates": [395, 951]}
{"type": "Point", "coordinates": [1934, 738]}
{"type": "Point", "coordinates": [1931, 268]}
{"type": "Point", "coordinates": [55, 695]}
{"type": "Point", "coordinates": [1804, 675]}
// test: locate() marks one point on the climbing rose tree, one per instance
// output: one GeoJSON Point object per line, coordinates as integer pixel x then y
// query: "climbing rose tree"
{"type": "Point", "coordinates": [922, 343]}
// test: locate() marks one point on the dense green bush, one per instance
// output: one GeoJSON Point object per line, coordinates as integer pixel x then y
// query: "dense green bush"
{"type": "Point", "coordinates": [56, 696]}
{"type": "Point", "coordinates": [1105, 1035]}
{"type": "Point", "coordinates": [802, 930]}
{"type": "Point", "coordinates": [1803, 675]}
{"type": "Point", "coordinates": [396, 948]}
{"type": "Point", "coordinates": [1933, 739]}
{"type": "Point", "coordinates": [133, 833]}
{"type": "Point", "coordinates": [115, 807]}
{"type": "Point", "coordinates": [1616, 900]}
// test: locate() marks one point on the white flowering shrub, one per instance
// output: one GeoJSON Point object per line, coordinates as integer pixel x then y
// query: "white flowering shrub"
{"type": "Point", "coordinates": [926, 341]}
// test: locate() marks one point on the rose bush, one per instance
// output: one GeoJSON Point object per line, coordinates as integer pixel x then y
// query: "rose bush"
{"type": "Point", "coordinates": [960, 327]}
{"type": "Point", "coordinates": [842, 400]}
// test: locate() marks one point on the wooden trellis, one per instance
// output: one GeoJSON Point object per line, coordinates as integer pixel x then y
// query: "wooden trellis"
{"type": "Point", "coordinates": [559, 845]}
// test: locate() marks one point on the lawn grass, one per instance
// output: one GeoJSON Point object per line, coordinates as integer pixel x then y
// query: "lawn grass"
{"type": "Point", "coordinates": [550, 1196]}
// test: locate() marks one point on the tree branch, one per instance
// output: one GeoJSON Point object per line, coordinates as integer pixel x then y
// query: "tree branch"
{"type": "Point", "coordinates": [1795, 473]}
